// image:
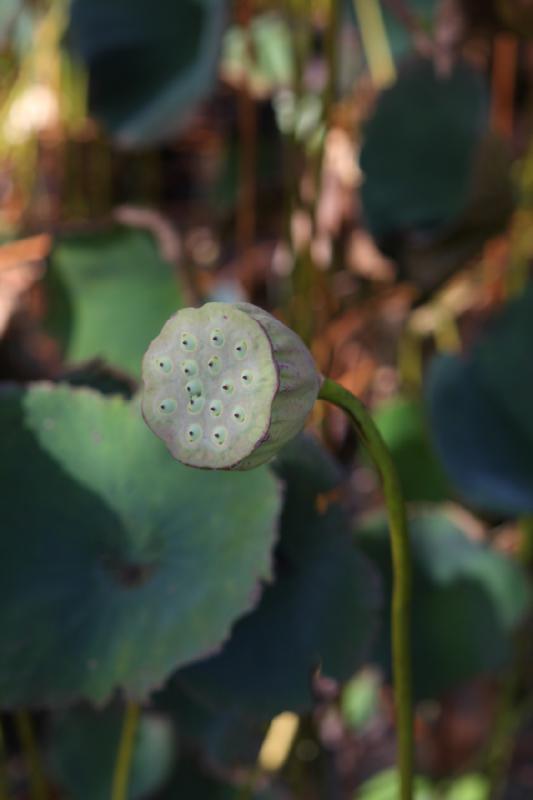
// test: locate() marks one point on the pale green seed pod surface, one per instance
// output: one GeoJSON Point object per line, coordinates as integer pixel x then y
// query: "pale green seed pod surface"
{"type": "Point", "coordinates": [226, 386]}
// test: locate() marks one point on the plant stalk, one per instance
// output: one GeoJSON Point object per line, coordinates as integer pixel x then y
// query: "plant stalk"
{"type": "Point", "coordinates": [37, 780]}
{"type": "Point", "coordinates": [4, 791]}
{"type": "Point", "coordinates": [511, 711]}
{"type": "Point", "coordinates": [401, 563]}
{"type": "Point", "coordinates": [124, 760]}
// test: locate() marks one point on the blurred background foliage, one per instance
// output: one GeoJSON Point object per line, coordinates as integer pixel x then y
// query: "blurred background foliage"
{"type": "Point", "coordinates": [364, 170]}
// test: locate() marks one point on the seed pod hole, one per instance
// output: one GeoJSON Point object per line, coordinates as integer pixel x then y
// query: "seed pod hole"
{"type": "Point", "coordinates": [227, 387]}
{"type": "Point", "coordinates": [188, 342]}
{"type": "Point", "coordinates": [219, 435]}
{"type": "Point", "coordinates": [216, 408]}
{"type": "Point", "coordinates": [239, 415]}
{"type": "Point", "coordinates": [196, 404]}
{"type": "Point", "coordinates": [193, 433]}
{"type": "Point", "coordinates": [164, 364]}
{"type": "Point", "coordinates": [168, 406]}
{"type": "Point", "coordinates": [247, 377]}
{"type": "Point", "coordinates": [241, 349]}
{"type": "Point", "coordinates": [189, 368]}
{"type": "Point", "coordinates": [217, 338]}
{"type": "Point", "coordinates": [214, 365]}
{"type": "Point", "coordinates": [194, 388]}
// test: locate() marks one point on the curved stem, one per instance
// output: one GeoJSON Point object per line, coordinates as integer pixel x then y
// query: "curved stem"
{"type": "Point", "coordinates": [401, 563]}
{"type": "Point", "coordinates": [121, 775]}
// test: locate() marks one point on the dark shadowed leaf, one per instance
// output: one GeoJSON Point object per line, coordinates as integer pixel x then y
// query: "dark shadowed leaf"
{"type": "Point", "coordinates": [469, 599]}
{"type": "Point", "coordinates": [227, 739]}
{"type": "Point", "coordinates": [148, 63]}
{"type": "Point", "coordinates": [437, 183]}
{"type": "Point", "coordinates": [419, 147]}
{"type": "Point", "coordinates": [480, 408]}
{"type": "Point", "coordinates": [116, 563]}
{"type": "Point", "coordinates": [194, 782]}
{"type": "Point", "coordinates": [83, 749]}
{"type": "Point", "coordinates": [429, 261]}
{"type": "Point", "coordinates": [321, 611]}
{"type": "Point", "coordinates": [108, 296]}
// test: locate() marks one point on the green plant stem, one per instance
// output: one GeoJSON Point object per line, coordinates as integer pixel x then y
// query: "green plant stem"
{"type": "Point", "coordinates": [401, 563]}
{"type": "Point", "coordinates": [4, 791]}
{"type": "Point", "coordinates": [511, 712]}
{"type": "Point", "coordinates": [123, 763]}
{"type": "Point", "coordinates": [38, 783]}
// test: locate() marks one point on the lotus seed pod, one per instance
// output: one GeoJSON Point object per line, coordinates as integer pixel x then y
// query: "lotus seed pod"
{"type": "Point", "coordinates": [226, 386]}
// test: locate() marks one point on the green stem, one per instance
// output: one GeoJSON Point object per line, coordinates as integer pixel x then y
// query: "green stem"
{"type": "Point", "coordinates": [38, 784]}
{"type": "Point", "coordinates": [121, 775]}
{"type": "Point", "coordinates": [4, 791]}
{"type": "Point", "coordinates": [401, 563]}
{"type": "Point", "coordinates": [511, 711]}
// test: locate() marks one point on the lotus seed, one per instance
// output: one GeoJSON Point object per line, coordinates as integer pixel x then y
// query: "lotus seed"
{"type": "Point", "coordinates": [168, 406]}
{"type": "Point", "coordinates": [217, 338]}
{"type": "Point", "coordinates": [216, 408]}
{"type": "Point", "coordinates": [240, 349]}
{"type": "Point", "coordinates": [219, 435]}
{"type": "Point", "coordinates": [247, 377]}
{"type": "Point", "coordinates": [214, 365]}
{"type": "Point", "coordinates": [188, 342]}
{"type": "Point", "coordinates": [227, 387]}
{"type": "Point", "coordinates": [164, 364]}
{"type": "Point", "coordinates": [196, 404]}
{"type": "Point", "coordinates": [193, 433]}
{"type": "Point", "coordinates": [194, 388]}
{"type": "Point", "coordinates": [190, 368]}
{"type": "Point", "coordinates": [239, 415]}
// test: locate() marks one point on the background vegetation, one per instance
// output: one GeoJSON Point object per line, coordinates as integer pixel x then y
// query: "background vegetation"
{"type": "Point", "coordinates": [364, 170]}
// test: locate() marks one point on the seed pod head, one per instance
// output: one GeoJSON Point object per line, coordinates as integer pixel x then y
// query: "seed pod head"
{"type": "Point", "coordinates": [226, 386]}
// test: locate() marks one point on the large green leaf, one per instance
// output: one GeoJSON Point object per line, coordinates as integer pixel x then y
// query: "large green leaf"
{"type": "Point", "coordinates": [108, 296]}
{"type": "Point", "coordinates": [83, 749]}
{"type": "Point", "coordinates": [148, 63]}
{"type": "Point", "coordinates": [117, 564]}
{"type": "Point", "coordinates": [419, 149]}
{"type": "Point", "coordinates": [403, 426]}
{"type": "Point", "coordinates": [481, 414]}
{"type": "Point", "coordinates": [321, 611]}
{"type": "Point", "coordinates": [468, 601]}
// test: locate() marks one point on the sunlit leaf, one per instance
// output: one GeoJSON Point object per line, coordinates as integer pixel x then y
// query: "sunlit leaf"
{"type": "Point", "coordinates": [117, 564]}
{"type": "Point", "coordinates": [386, 786]}
{"type": "Point", "coordinates": [108, 295]}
